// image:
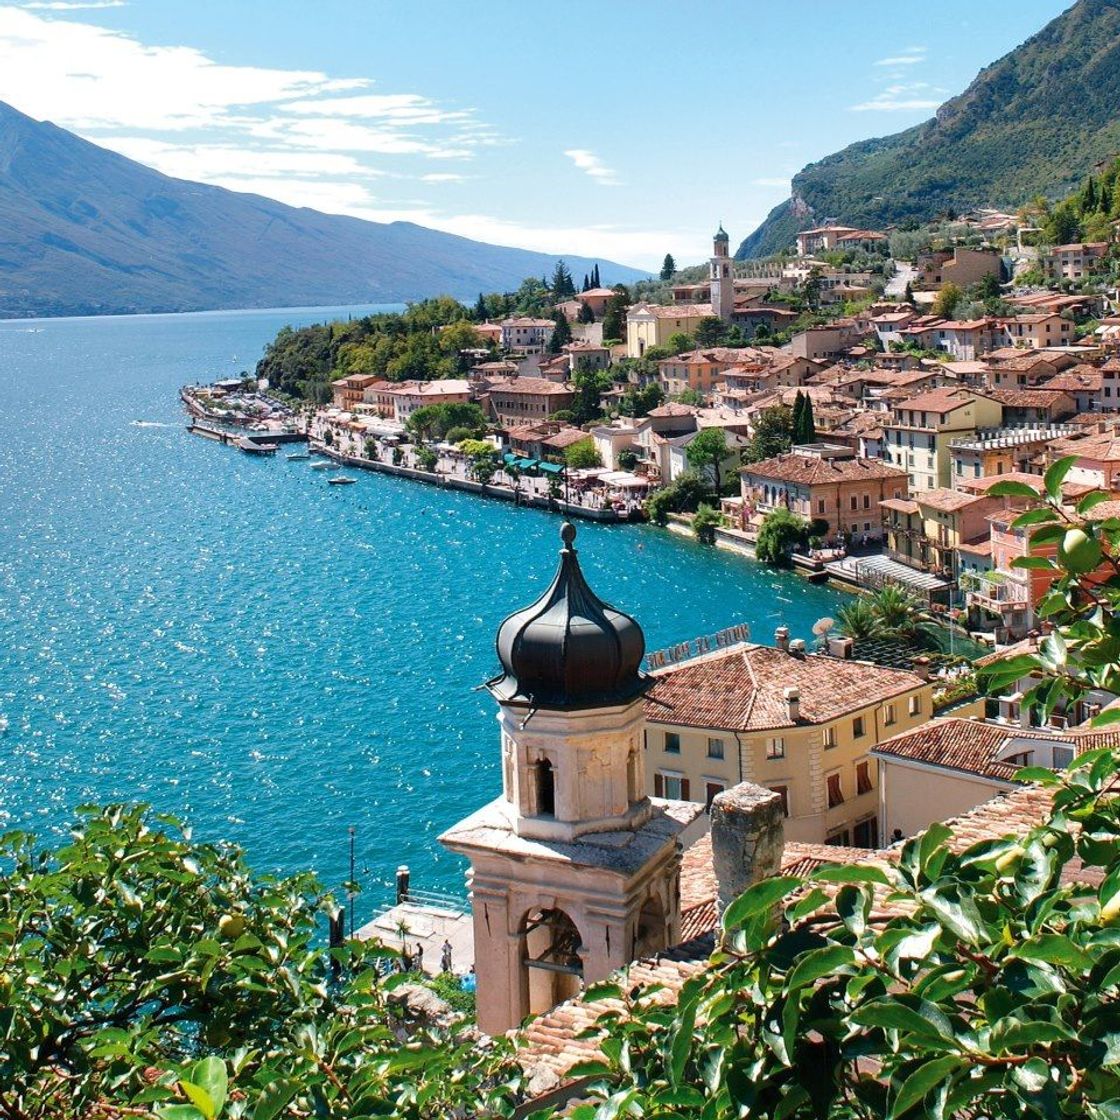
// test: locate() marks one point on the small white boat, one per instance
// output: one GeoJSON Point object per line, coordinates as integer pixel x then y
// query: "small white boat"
{"type": "Point", "coordinates": [341, 480]}
{"type": "Point", "coordinates": [321, 464]}
{"type": "Point", "coordinates": [332, 466]}
{"type": "Point", "coordinates": [296, 455]}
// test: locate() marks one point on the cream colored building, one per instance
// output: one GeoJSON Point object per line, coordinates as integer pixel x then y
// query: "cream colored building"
{"type": "Point", "coordinates": [919, 436]}
{"type": "Point", "coordinates": [798, 723]}
{"type": "Point", "coordinates": [649, 324]}
{"type": "Point", "coordinates": [950, 766]}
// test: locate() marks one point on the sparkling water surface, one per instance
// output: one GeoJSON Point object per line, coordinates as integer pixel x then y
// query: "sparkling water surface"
{"type": "Point", "coordinates": [274, 659]}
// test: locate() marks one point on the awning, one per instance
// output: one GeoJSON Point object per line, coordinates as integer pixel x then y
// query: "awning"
{"type": "Point", "coordinates": [552, 468]}
{"type": "Point", "coordinates": [509, 459]}
{"type": "Point", "coordinates": [526, 464]}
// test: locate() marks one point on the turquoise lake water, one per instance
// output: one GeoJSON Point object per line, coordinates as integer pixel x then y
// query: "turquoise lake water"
{"type": "Point", "coordinates": [272, 658]}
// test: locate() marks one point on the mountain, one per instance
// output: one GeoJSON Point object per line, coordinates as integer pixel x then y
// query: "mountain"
{"type": "Point", "coordinates": [84, 231]}
{"type": "Point", "coordinates": [1035, 122]}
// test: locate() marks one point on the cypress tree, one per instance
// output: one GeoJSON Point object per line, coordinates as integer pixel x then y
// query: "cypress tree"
{"type": "Point", "coordinates": [809, 428]}
{"type": "Point", "coordinates": [798, 415]}
{"type": "Point", "coordinates": [595, 282]}
{"type": "Point", "coordinates": [480, 309]}
{"type": "Point", "coordinates": [561, 333]}
{"type": "Point", "coordinates": [668, 267]}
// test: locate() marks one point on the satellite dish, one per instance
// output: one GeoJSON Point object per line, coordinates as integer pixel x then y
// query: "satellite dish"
{"type": "Point", "coordinates": [822, 626]}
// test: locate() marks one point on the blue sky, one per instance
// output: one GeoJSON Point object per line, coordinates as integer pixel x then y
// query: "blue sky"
{"type": "Point", "coordinates": [619, 129]}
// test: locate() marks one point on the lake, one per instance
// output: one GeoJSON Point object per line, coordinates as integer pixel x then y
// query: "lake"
{"type": "Point", "coordinates": [274, 659]}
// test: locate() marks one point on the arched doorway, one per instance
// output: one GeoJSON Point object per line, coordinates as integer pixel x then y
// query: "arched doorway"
{"type": "Point", "coordinates": [651, 935]}
{"type": "Point", "coordinates": [544, 789]}
{"type": "Point", "coordinates": [552, 969]}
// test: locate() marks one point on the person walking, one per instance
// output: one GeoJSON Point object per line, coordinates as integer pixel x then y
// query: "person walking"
{"type": "Point", "coordinates": [418, 959]}
{"type": "Point", "coordinates": [445, 957]}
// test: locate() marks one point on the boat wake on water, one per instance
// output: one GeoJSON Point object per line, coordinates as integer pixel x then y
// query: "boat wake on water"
{"type": "Point", "coordinates": [150, 424]}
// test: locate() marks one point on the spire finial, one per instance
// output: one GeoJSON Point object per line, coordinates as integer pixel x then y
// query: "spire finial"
{"type": "Point", "coordinates": [568, 535]}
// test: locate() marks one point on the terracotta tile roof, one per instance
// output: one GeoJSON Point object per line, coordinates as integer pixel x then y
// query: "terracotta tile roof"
{"type": "Point", "coordinates": [902, 505]}
{"type": "Point", "coordinates": [983, 485]}
{"type": "Point", "coordinates": [811, 471]}
{"type": "Point", "coordinates": [947, 501]}
{"type": "Point", "coordinates": [538, 386]}
{"type": "Point", "coordinates": [1027, 398]}
{"type": "Point", "coordinates": [674, 311]}
{"type": "Point", "coordinates": [1079, 377]}
{"type": "Point", "coordinates": [673, 408]}
{"type": "Point", "coordinates": [981, 547]}
{"type": "Point", "coordinates": [938, 400]}
{"type": "Point", "coordinates": [973, 747]}
{"type": "Point", "coordinates": [743, 689]}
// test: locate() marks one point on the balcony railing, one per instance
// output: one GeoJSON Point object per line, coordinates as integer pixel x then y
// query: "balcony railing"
{"type": "Point", "coordinates": [1000, 591]}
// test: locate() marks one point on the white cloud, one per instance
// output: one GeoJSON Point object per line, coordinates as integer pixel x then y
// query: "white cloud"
{"type": "Point", "coordinates": [591, 164]}
{"type": "Point", "coordinates": [909, 56]}
{"type": "Point", "coordinates": [903, 96]}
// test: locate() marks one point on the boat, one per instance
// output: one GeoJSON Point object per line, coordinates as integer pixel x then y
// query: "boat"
{"type": "Point", "coordinates": [252, 447]}
{"type": "Point", "coordinates": [321, 464]}
{"type": "Point", "coordinates": [333, 466]}
{"type": "Point", "coordinates": [298, 455]}
{"type": "Point", "coordinates": [341, 480]}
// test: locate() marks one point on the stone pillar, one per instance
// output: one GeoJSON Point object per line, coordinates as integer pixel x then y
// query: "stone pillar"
{"type": "Point", "coordinates": [497, 960]}
{"type": "Point", "coordinates": [747, 839]}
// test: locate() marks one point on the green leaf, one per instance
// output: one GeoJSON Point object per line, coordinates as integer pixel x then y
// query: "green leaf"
{"type": "Point", "coordinates": [1053, 948]}
{"type": "Point", "coordinates": [178, 1112]}
{"type": "Point", "coordinates": [891, 1014]}
{"type": "Point", "coordinates": [1032, 1075]}
{"type": "Point", "coordinates": [273, 1100]}
{"type": "Point", "coordinates": [1091, 500]}
{"type": "Point", "coordinates": [819, 962]}
{"type": "Point", "coordinates": [852, 873]}
{"type": "Point", "coordinates": [922, 1082]}
{"type": "Point", "coordinates": [1034, 517]}
{"type": "Point", "coordinates": [210, 1075]}
{"type": "Point", "coordinates": [604, 990]}
{"type": "Point", "coordinates": [1013, 490]}
{"type": "Point", "coordinates": [1056, 475]}
{"type": "Point", "coordinates": [759, 898]}
{"type": "Point", "coordinates": [589, 1068]}
{"type": "Point", "coordinates": [200, 1098]}
{"type": "Point", "coordinates": [1037, 562]}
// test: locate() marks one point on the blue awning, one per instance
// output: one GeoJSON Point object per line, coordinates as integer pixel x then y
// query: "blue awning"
{"type": "Point", "coordinates": [552, 468]}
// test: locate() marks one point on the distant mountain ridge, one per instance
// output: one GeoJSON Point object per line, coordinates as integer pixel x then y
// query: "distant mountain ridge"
{"type": "Point", "coordinates": [1037, 121]}
{"type": "Point", "coordinates": [85, 231]}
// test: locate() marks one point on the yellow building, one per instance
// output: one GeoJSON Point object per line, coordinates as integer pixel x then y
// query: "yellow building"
{"type": "Point", "coordinates": [918, 437]}
{"type": "Point", "coordinates": [926, 530]}
{"type": "Point", "coordinates": [799, 723]}
{"type": "Point", "coordinates": [649, 324]}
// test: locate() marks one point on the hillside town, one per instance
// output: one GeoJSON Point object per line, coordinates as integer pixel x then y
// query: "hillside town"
{"type": "Point", "coordinates": [880, 422]}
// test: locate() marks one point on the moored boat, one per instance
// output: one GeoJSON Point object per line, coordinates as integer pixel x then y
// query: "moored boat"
{"type": "Point", "coordinates": [296, 455]}
{"type": "Point", "coordinates": [341, 480]}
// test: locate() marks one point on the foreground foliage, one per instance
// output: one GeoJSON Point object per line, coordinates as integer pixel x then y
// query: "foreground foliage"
{"type": "Point", "coordinates": [991, 991]}
{"type": "Point", "coordinates": [142, 969]}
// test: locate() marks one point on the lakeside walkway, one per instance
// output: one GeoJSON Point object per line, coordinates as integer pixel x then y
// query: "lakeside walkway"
{"type": "Point", "coordinates": [452, 474]}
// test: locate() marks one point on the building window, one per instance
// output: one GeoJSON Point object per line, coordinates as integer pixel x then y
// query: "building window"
{"type": "Point", "coordinates": [672, 743]}
{"type": "Point", "coordinates": [715, 748]}
{"type": "Point", "coordinates": [867, 501]}
{"type": "Point", "coordinates": [835, 793]}
{"type": "Point", "coordinates": [776, 748]}
{"type": "Point", "coordinates": [863, 777]}
{"type": "Point", "coordinates": [853, 501]}
{"type": "Point", "coordinates": [672, 786]}
{"type": "Point", "coordinates": [820, 505]}
{"type": "Point", "coordinates": [710, 791]}
{"type": "Point", "coordinates": [828, 738]}
{"type": "Point", "coordinates": [915, 705]}
{"type": "Point", "coordinates": [783, 793]}
{"type": "Point", "coordinates": [857, 727]}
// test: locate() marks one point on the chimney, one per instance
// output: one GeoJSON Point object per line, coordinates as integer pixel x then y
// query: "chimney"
{"type": "Point", "coordinates": [748, 836]}
{"type": "Point", "coordinates": [781, 638]}
{"type": "Point", "coordinates": [921, 667]}
{"type": "Point", "coordinates": [793, 703]}
{"type": "Point", "coordinates": [797, 647]}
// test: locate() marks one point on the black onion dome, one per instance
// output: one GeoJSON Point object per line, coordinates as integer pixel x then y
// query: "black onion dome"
{"type": "Point", "coordinates": [721, 234]}
{"type": "Point", "coordinates": [569, 649]}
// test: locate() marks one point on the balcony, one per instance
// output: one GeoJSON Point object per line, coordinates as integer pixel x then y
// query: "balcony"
{"type": "Point", "coordinates": [997, 593]}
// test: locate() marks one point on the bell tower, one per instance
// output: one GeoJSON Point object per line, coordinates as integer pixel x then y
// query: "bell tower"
{"type": "Point", "coordinates": [721, 275]}
{"type": "Point", "coordinates": [574, 870]}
